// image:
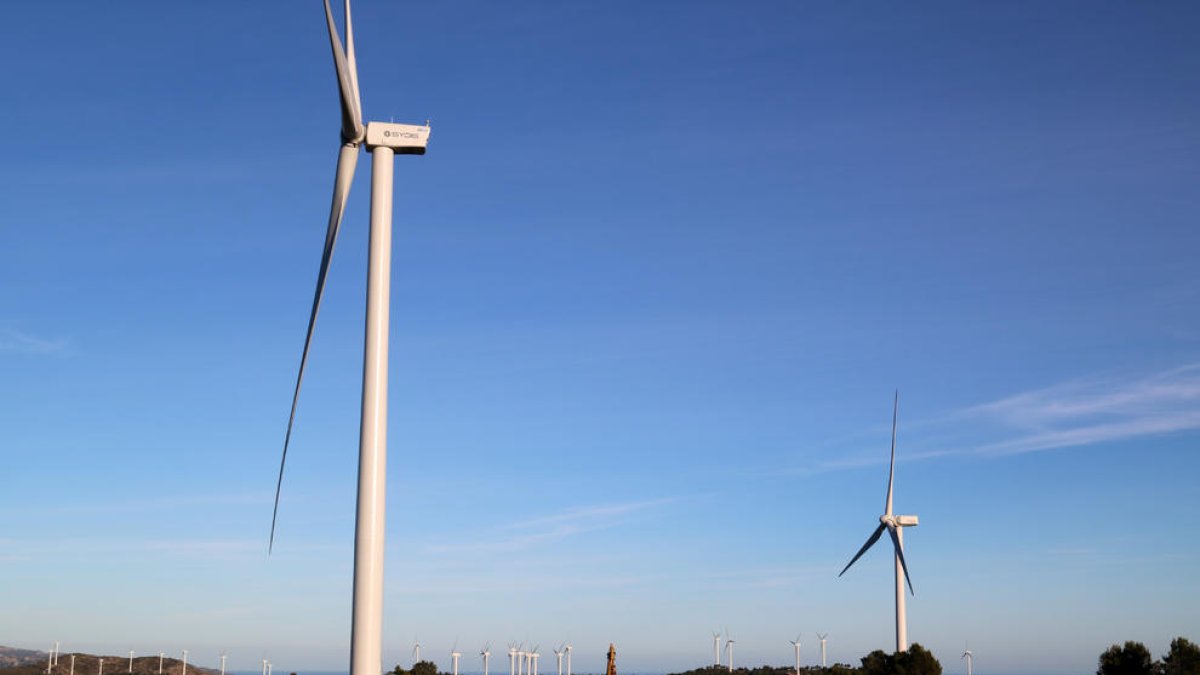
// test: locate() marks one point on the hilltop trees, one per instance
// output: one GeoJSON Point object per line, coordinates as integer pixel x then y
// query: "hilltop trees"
{"type": "Point", "coordinates": [916, 661]}
{"type": "Point", "coordinates": [1182, 659]}
{"type": "Point", "coordinates": [1133, 658]}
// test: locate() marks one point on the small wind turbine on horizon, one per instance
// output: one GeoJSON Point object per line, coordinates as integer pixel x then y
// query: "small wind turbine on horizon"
{"type": "Point", "coordinates": [796, 644]}
{"type": "Point", "coordinates": [185, 662]}
{"type": "Point", "coordinates": [130, 661]}
{"type": "Point", "coordinates": [895, 528]}
{"type": "Point", "coordinates": [512, 659]}
{"type": "Point", "coordinates": [486, 652]}
{"type": "Point", "coordinates": [717, 649]}
{"type": "Point", "coordinates": [384, 141]}
{"type": "Point", "coordinates": [559, 653]}
{"type": "Point", "coordinates": [568, 648]}
{"type": "Point", "coordinates": [160, 660]}
{"type": "Point", "coordinates": [72, 664]}
{"type": "Point", "coordinates": [821, 637]}
{"type": "Point", "coordinates": [969, 657]}
{"type": "Point", "coordinates": [416, 652]}
{"type": "Point", "coordinates": [729, 652]}
{"type": "Point", "coordinates": [222, 664]}
{"type": "Point", "coordinates": [454, 655]}
{"type": "Point", "coordinates": [533, 661]}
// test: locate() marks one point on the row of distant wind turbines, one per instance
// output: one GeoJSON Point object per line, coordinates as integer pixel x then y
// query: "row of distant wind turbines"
{"type": "Point", "coordinates": [384, 141]}
{"type": "Point", "coordinates": [53, 658]}
{"type": "Point", "coordinates": [729, 642]}
{"type": "Point", "coordinates": [520, 660]}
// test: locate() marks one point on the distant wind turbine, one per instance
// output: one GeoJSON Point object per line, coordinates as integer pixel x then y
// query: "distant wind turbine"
{"type": "Point", "coordinates": [130, 661]}
{"type": "Point", "coordinates": [568, 648]}
{"type": "Point", "coordinates": [222, 664]}
{"type": "Point", "coordinates": [485, 653]}
{"type": "Point", "coordinates": [969, 657]}
{"type": "Point", "coordinates": [72, 664]}
{"type": "Point", "coordinates": [160, 659]}
{"type": "Point", "coordinates": [533, 661]}
{"type": "Point", "coordinates": [454, 655]}
{"type": "Point", "coordinates": [559, 653]}
{"type": "Point", "coordinates": [821, 637]}
{"type": "Point", "coordinates": [100, 669]}
{"type": "Point", "coordinates": [895, 528]}
{"type": "Point", "coordinates": [717, 648]}
{"type": "Point", "coordinates": [729, 653]}
{"type": "Point", "coordinates": [416, 652]}
{"type": "Point", "coordinates": [384, 141]}
{"type": "Point", "coordinates": [185, 662]}
{"type": "Point", "coordinates": [796, 645]}
{"type": "Point", "coordinates": [269, 664]}
{"type": "Point", "coordinates": [512, 659]}
{"type": "Point", "coordinates": [264, 672]}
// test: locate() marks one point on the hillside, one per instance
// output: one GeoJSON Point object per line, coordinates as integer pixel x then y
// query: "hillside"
{"type": "Point", "coordinates": [29, 662]}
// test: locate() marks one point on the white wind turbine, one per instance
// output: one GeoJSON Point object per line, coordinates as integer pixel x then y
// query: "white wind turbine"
{"type": "Point", "coordinates": [160, 659]}
{"type": "Point", "coordinates": [222, 664]}
{"type": "Point", "coordinates": [454, 655]}
{"type": "Point", "coordinates": [512, 659]}
{"type": "Point", "coordinates": [717, 648]}
{"type": "Point", "coordinates": [895, 528]}
{"type": "Point", "coordinates": [185, 662]}
{"type": "Point", "coordinates": [559, 653]}
{"type": "Point", "coordinates": [796, 644]}
{"type": "Point", "coordinates": [384, 141]}
{"type": "Point", "coordinates": [486, 652]}
{"type": "Point", "coordinates": [522, 659]}
{"type": "Point", "coordinates": [416, 652]}
{"type": "Point", "coordinates": [72, 664]}
{"type": "Point", "coordinates": [729, 653]}
{"type": "Point", "coordinates": [130, 661]}
{"type": "Point", "coordinates": [264, 672]}
{"type": "Point", "coordinates": [821, 637]}
{"type": "Point", "coordinates": [568, 648]}
{"type": "Point", "coordinates": [533, 661]}
{"type": "Point", "coordinates": [969, 657]}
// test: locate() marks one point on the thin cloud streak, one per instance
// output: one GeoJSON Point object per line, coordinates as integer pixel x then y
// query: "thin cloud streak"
{"type": "Point", "coordinates": [554, 527]}
{"type": "Point", "coordinates": [1072, 414]}
{"type": "Point", "coordinates": [16, 342]}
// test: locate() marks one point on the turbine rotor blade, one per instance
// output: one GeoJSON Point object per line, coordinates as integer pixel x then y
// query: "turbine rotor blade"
{"type": "Point", "coordinates": [900, 554]}
{"type": "Point", "coordinates": [352, 126]}
{"type": "Point", "coordinates": [870, 542]}
{"type": "Point", "coordinates": [347, 160]}
{"type": "Point", "coordinates": [887, 507]}
{"type": "Point", "coordinates": [351, 63]}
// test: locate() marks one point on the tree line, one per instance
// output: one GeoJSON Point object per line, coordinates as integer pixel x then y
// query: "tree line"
{"type": "Point", "coordinates": [1132, 658]}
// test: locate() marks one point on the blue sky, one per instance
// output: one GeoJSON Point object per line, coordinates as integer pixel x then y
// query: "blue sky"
{"type": "Point", "coordinates": [654, 285]}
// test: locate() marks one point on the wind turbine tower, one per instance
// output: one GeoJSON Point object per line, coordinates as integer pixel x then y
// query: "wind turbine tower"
{"type": "Point", "coordinates": [160, 659]}
{"type": "Point", "coordinates": [130, 661]}
{"type": "Point", "coordinates": [416, 652]}
{"type": "Point", "coordinates": [533, 661]}
{"type": "Point", "coordinates": [72, 664]}
{"type": "Point", "coordinates": [100, 668]}
{"type": "Point", "coordinates": [717, 649]}
{"type": "Point", "coordinates": [512, 659]}
{"type": "Point", "coordinates": [559, 653]}
{"type": "Point", "coordinates": [821, 637]}
{"type": "Point", "coordinates": [568, 648]}
{"type": "Point", "coordinates": [222, 664]}
{"type": "Point", "coordinates": [264, 672]}
{"type": "Point", "coordinates": [383, 140]}
{"type": "Point", "coordinates": [969, 657]}
{"type": "Point", "coordinates": [454, 654]}
{"type": "Point", "coordinates": [185, 662]}
{"type": "Point", "coordinates": [895, 528]}
{"type": "Point", "coordinates": [729, 653]}
{"type": "Point", "coordinates": [796, 644]}
{"type": "Point", "coordinates": [485, 653]}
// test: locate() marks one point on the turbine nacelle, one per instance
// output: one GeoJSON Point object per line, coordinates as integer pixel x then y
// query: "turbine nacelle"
{"type": "Point", "coordinates": [403, 139]}
{"type": "Point", "coordinates": [899, 521]}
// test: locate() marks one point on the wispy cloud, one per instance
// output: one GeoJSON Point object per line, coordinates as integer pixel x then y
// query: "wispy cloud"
{"type": "Point", "coordinates": [1071, 414]}
{"type": "Point", "coordinates": [526, 533]}
{"type": "Point", "coordinates": [13, 341]}
{"type": "Point", "coordinates": [1093, 411]}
